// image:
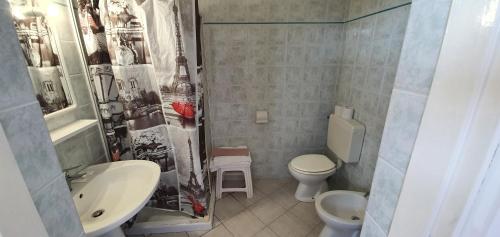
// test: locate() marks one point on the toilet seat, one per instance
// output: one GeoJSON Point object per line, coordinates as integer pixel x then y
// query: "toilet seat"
{"type": "Point", "coordinates": [312, 164]}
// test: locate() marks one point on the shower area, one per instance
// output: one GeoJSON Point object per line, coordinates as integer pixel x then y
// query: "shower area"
{"type": "Point", "coordinates": [146, 76]}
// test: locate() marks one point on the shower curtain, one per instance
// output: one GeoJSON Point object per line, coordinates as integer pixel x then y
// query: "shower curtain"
{"type": "Point", "coordinates": [142, 64]}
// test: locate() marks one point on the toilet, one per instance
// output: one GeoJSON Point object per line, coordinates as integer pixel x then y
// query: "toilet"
{"type": "Point", "coordinates": [342, 212]}
{"type": "Point", "coordinates": [311, 171]}
{"type": "Point", "coordinates": [345, 138]}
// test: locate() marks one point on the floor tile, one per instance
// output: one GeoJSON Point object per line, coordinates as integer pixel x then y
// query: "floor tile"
{"type": "Point", "coordinates": [316, 231]}
{"type": "Point", "coordinates": [267, 210]}
{"type": "Point", "coordinates": [291, 186]}
{"type": "Point", "coordinates": [266, 232]}
{"type": "Point", "coordinates": [288, 225]}
{"type": "Point", "coordinates": [219, 231]}
{"type": "Point", "coordinates": [197, 233]}
{"type": "Point", "coordinates": [268, 186]}
{"type": "Point", "coordinates": [244, 224]}
{"type": "Point", "coordinates": [284, 198]}
{"type": "Point", "coordinates": [179, 234]}
{"type": "Point", "coordinates": [216, 221]}
{"type": "Point", "coordinates": [227, 207]}
{"type": "Point", "coordinates": [242, 197]}
{"type": "Point", "coordinates": [306, 212]}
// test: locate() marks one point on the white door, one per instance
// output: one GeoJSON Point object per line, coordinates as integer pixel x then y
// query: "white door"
{"type": "Point", "coordinates": [460, 131]}
{"type": "Point", "coordinates": [18, 215]}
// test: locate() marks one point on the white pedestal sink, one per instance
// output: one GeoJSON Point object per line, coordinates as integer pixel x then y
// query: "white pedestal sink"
{"type": "Point", "coordinates": [112, 193]}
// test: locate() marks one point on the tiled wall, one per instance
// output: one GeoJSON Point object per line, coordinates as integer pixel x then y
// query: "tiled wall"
{"type": "Point", "coordinates": [87, 147]}
{"type": "Point", "coordinates": [290, 70]}
{"type": "Point", "coordinates": [272, 10]}
{"type": "Point", "coordinates": [25, 128]}
{"type": "Point", "coordinates": [371, 54]}
{"type": "Point", "coordinates": [298, 72]}
{"type": "Point", "coordinates": [421, 47]}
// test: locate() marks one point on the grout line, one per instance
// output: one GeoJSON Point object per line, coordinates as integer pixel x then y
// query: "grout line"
{"type": "Point", "coordinates": [405, 91]}
{"type": "Point", "coordinates": [44, 186]}
{"type": "Point", "coordinates": [18, 106]}
{"type": "Point", "coordinates": [392, 166]}
{"type": "Point", "coordinates": [367, 214]}
{"type": "Point", "coordinates": [305, 22]}
{"type": "Point", "coordinates": [264, 196]}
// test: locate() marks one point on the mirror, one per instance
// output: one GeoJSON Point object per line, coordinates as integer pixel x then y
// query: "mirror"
{"type": "Point", "coordinates": [32, 21]}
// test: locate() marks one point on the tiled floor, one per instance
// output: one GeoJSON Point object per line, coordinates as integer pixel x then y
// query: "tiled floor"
{"type": "Point", "coordinates": [272, 212]}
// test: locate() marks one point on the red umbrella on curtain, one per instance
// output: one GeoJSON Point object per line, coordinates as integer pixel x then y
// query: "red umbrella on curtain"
{"type": "Point", "coordinates": [185, 109]}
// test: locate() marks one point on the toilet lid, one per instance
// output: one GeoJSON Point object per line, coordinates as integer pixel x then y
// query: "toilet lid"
{"type": "Point", "coordinates": [312, 163]}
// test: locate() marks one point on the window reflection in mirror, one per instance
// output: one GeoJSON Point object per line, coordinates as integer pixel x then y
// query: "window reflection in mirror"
{"type": "Point", "coordinates": [32, 21]}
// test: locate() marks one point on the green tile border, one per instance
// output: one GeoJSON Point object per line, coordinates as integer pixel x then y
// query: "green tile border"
{"type": "Point", "coordinates": [305, 22]}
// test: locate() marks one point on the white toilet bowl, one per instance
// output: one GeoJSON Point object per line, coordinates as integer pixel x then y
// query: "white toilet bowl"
{"type": "Point", "coordinates": [342, 212]}
{"type": "Point", "coordinates": [311, 171]}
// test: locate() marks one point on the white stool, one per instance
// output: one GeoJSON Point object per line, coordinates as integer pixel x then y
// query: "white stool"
{"type": "Point", "coordinates": [226, 159]}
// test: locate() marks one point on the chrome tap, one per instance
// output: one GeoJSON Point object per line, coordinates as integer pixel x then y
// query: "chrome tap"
{"type": "Point", "coordinates": [76, 175]}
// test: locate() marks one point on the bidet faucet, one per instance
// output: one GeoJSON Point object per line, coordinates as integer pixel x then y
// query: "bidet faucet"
{"type": "Point", "coordinates": [76, 175]}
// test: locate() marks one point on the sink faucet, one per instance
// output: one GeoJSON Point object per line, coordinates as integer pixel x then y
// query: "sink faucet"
{"type": "Point", "coordinates": [76, 175]}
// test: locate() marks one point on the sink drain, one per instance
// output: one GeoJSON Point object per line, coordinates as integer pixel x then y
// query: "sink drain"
{"type": "Point", "coordinates": [355, 218]}
{"type": "Point", "coordinates": [98, 213]}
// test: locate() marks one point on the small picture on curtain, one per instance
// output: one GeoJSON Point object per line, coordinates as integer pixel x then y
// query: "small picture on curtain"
{"type": "Point", "coordinates": [111, 109]}
{"type": "Point", "coordinates": [93, 31]}
{"type": "Point", "coordinates": [152, 144]}
{"type": "Point", "coordinates": [125, 35]}
{"type": "Point", "coordinates": [167, 194]}
{"type": "Point", "coordinates": [138, 94]}
{"type": "Point", "coordinates": [193, 191]}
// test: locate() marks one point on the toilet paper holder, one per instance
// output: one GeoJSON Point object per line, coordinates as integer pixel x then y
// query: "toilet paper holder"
{"type": "Point", "coordinates": [261, 116]}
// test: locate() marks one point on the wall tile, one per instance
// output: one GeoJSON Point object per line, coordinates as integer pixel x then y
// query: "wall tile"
{"type": "Point", "coordinates": [384, 195]}
{"type": "Point", "coordinates": [63, 24]}
{"type": "Point", "coordinates": [86, 111]}
{"type": "Point", "coordinates": [371, 53]}
{"type": "Point", "coordinates": [287, 89]}
{"type": "Point", "coordinates": [32, 147]}
{"type": "Point", "coordinates": [426, 26]}
{"type": "Point", "coordinates": [61, 120]}
{"type": "Point", "coordinates": [80, 89]}
{"type": "Point", "coordinates": [95, 143]}
{"type": "Point", "coordinates": [371, 228]}
{"type": "Point", "coordinates": [57, 210]}
{"type": "Point", "coordinates": [421, 50]}
{"type": "Point", "coordinates": [71, 56]}
{"type": "Point", "coordinates": [4, 4]}
{"type": "Point", "coordinates": [83, 149]}
{"type": "Point", "coordinates": [403, 120]}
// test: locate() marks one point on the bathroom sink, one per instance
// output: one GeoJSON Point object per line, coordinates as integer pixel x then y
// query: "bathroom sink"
{"type": "Point", "coordinates": [111, 193]}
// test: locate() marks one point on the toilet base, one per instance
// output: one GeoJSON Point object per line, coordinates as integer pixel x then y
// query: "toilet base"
{"type": "Point", "coordinates": [329, 232]}
{"type": "Point", "coordinates": [307, 193]}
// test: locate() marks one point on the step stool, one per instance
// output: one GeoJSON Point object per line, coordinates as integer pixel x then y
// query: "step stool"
{"type": "Point", "coordinates": [229, 159]}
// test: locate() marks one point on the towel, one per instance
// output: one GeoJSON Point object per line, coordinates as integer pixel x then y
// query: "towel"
{"type": "Point", "coordinates": [230, 156]}
{"type": "Point", "coordinates": [230, 151]}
